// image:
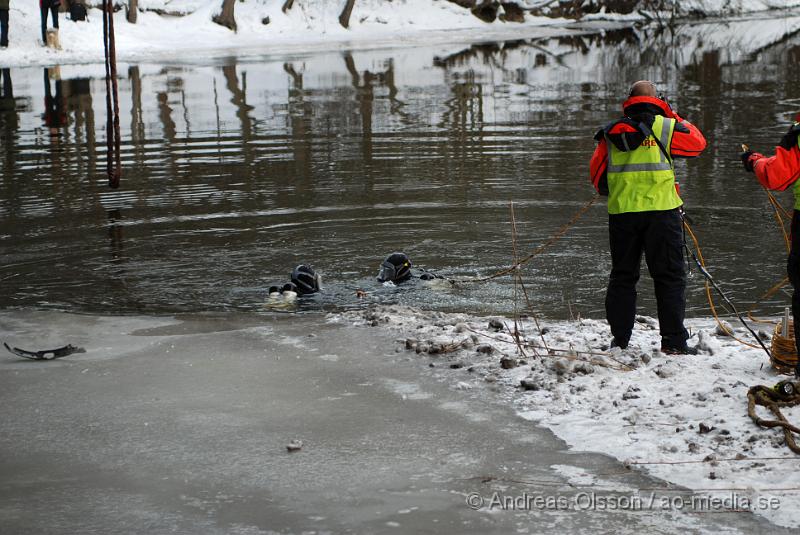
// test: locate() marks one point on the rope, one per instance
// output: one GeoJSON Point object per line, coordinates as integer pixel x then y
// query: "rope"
{"type": "Point", "coordinates": [784, 350]}
{"type": "Point", "coordinates": [550, 241]}
{"type": "Point", "coordinates": [769, 293]}
{"type": "Point", "coordinates": [701, 263]}
{"type": "Point", "coordinates": [112, 97]}
{"type": "Point", "coordinates": [778, 208]}
{"type": "Point", "coordinates": [773, 399]}
{"type": "Point", "coordinates": [784, 357]}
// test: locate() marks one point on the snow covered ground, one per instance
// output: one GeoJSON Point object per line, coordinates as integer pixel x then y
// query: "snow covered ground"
{"type": "Point", "coordinates": [733, 6]}
{"type": "Point", "coordinates": [307, 27]}
{"type": "Point", "coordinates": [262, 28]}
{"type": "Point", "coordinates": [695, 8]}
{"type": "Point", "coordinates": [680, 418]}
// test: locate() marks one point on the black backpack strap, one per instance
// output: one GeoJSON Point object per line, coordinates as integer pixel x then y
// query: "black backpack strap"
{"type": "Point", "coordinates": [649, 132]}
{"type": "Point", "coordinates": [600, 134]}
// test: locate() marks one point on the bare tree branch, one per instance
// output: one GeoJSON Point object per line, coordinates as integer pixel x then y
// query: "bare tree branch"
{"type": "Point", "coordinates": [344, 18]}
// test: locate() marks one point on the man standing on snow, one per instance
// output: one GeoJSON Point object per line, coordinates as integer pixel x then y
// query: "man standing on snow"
{"type": "Point", "coordinates": [632, 165]}
{"type": "Point", "coordinates": [778, 172]}
{"type": "Point", "coordinates": [4, 7]}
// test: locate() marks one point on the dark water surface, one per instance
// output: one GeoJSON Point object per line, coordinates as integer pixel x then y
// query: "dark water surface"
{"type": "Point", "coordinates": [234, 172]}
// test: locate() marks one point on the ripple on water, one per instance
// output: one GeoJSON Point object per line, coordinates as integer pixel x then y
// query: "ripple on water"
{"type": "Point", "coordinates": [225, 190]}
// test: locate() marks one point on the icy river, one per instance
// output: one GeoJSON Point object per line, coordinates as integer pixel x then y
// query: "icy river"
{"type": "Point", "coordinates": [235, 170]}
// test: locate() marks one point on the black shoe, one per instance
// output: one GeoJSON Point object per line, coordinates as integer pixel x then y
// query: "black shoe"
{"type": "Point", "coordinates": [622, 344]}
{"type": "Point", "coordinates": [685, 350]}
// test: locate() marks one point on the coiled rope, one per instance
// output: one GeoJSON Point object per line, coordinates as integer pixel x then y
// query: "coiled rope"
{"type": "Point", "coordinates": [773, 399]}
{"type": "Point", "coordinates": [784, 349]}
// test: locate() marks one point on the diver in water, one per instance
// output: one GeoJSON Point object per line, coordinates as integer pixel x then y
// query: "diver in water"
{"type": "Point", "coordinates": [305, 281]}
{"type": "Point", "coordinates": [287, 292]}
{"type": "Point", "coordinates": [396, 269]}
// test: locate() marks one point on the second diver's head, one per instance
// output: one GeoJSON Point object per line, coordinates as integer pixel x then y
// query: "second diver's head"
{"type": "Point", "coordinates": [305, 279]}
{"type": "Point", "coordinates": [396, 268]}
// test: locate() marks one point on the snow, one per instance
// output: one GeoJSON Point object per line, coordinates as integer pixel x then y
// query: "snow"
{"type": "Point", "coordinates": [307, 27]}
{"type": "Point", "coordinates": [734, 6]}
{"type": "Point", "coordinates": [638, 405]}
{"type": "Point", "coordinates": [693, 8]}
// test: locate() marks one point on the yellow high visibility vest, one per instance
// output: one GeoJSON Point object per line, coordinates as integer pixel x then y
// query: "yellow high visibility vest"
{"type": "Point", "coordinates": [643, 179]}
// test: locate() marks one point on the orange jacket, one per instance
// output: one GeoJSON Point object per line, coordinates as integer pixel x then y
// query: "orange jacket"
{"type": "Point", "coordinates": [780, 171]}
{"type": "Point", "coordinates": [687, 140]}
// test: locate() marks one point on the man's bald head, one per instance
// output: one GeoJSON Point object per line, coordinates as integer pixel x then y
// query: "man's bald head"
{"type": "Point", "coordinates": [643, 88]}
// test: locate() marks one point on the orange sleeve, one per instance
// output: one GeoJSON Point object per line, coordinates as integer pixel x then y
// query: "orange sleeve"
{"type": "Point", "coordinates": [687, 142]}
{"type": "Point", "coordinates": [780, 171]}
{"type": "Point", "coordinates": [597, 167]}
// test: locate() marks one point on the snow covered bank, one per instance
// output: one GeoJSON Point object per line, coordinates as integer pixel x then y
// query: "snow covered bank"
{"type": "Point", "coordinates": [681, 418]}
{"type": "Point", "coordinates": [262, 28]}
{"type": "Point", "coordinates": [657, 10]}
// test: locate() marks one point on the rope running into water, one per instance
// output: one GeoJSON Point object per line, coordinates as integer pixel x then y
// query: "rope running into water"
{"type": "Point", "coordinates": [550, 241]}
{"type": "Point", "coordinates": [709, 296]}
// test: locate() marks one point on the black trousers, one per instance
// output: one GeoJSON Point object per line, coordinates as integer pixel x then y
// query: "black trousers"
{"type": "Point", "coordinates": [3, 27]}
{"type": "Point", "coordinates": [54, 13]}
{"type": "Point", "coordinates": [793, 270]}
{"type": "Point", "coordinates": [659, 235]}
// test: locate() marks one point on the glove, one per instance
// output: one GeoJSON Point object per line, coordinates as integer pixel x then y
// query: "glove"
{"type": "Point", "coordinates": [684, 215]}
{"type": "Point", "coordinates": [749, 158]}
{"type": "Point", "coordinates": [789, 139]}
{"type": "Point", "coordinates": [745, 157]}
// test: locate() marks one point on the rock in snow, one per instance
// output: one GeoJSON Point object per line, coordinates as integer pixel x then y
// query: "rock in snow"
{"type": "Point", "coordinates": [294, 445]}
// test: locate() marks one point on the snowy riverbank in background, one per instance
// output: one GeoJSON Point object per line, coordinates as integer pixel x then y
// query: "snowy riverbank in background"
{"type": "Point", "coordinates": [638, 405]}
{"type": "Point", "coordinates": [308, 27]}
{"type": "Point", "coordinates": [262, 28]}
